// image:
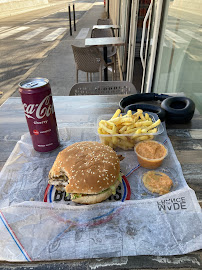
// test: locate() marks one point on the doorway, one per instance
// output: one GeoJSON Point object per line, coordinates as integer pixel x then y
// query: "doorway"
{"type": "Point", "coordinates": [138, 69]}
{"type": "Point", "coordinates": [143, 39]}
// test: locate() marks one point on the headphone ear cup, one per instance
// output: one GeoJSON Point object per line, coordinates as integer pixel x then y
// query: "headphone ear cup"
{"type": "Point", "coordinates": [147, 107]}
{"type": "Point", "coordinates": [178, 109]}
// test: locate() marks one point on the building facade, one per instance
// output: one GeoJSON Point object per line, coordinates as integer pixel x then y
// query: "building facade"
{"type": "Point", "coordinates": [163, 50]}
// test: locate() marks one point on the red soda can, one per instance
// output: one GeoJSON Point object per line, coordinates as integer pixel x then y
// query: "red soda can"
{"type": "Point", "coordinates": [39, 111]}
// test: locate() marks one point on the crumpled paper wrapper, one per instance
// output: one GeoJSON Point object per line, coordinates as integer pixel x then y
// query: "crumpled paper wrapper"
{"type": "Point", "coordinates": [147, 224]}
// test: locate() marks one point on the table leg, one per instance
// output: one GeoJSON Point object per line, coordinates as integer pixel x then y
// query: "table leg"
{"type": "Point", "coordinates": [105, 58]}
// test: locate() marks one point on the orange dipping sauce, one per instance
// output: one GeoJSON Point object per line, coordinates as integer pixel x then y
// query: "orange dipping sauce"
{"type": "Point", "coordinates": [150, 154]}
{"type": "Point", "coordinates": [157, 182]}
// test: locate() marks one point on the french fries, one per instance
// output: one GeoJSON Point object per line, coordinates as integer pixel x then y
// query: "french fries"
{"type": "Point", "coordinates": [124, 131]}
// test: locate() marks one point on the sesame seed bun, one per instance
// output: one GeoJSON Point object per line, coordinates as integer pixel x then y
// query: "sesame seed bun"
{"type": "Point", "coordinates": [88, 168]}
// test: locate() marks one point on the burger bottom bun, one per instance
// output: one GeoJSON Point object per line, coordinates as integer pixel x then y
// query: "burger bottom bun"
{"type": "Point", "coordinates": [97, 198]}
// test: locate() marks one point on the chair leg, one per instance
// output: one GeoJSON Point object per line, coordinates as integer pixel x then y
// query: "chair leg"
{"type": "Point", "coordinates": [77, 75]}
{"type": "Point", "coordinates": [100, 73]}
{"type": "Point", "coordinates": [112, 72]}
{"type": "Point", "coordinates": [115, 67]}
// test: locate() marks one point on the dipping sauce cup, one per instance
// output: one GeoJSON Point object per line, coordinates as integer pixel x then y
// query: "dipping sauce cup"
{"type": "Point", "coordinates": [150, 154]}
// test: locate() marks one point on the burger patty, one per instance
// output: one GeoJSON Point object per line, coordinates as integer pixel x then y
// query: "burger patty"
{"type": "Point", "coordinates": [60, 182]}
{"type": "Point", "coordinates": [112, 188]}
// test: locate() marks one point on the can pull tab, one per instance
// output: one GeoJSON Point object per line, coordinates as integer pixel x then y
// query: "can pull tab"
{"type": "Point", "coordinates": [32, 84]}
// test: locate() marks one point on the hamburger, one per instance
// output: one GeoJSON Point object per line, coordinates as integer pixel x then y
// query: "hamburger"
{"type": "Point", "coordinates": [88, 171]}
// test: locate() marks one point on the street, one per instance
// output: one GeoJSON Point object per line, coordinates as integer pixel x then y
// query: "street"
{"type": "Point", "coordinates": [26, 39]}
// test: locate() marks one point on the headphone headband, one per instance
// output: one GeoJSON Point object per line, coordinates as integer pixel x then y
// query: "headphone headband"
{"type": "Point", "coordinates": [132, 99]}
{"type": "Point", "coordinates": [175, 109]}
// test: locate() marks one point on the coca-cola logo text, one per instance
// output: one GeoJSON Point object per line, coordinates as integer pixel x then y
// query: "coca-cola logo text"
{"type": "Point", "coordinates": [45, 108]}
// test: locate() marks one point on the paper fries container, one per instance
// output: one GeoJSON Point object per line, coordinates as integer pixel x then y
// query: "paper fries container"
{"type": "Point", "coordinates": [127, 141]}
{"type": "Point", "coordinates": [150, 163]}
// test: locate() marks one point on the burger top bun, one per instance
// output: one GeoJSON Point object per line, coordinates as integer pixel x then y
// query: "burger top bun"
{"type": "Point", "coordinates": [91, 167]}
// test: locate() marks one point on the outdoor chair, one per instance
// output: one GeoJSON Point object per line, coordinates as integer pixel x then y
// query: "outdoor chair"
{"type": "Point", "coordinates": [104, 22]}
{"type": "Point", "coordinates": [103, 88]}
{"type": "Point", "coordinates": [98, 33]}
{"type": "Point", "coordinates": [111, 50]}
{"type": "Point", "coordinates": [89, 60]}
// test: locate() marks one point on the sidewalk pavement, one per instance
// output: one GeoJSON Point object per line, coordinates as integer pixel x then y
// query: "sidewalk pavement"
{"type": "Point", "coordinates": [59, 65]}
{"type": "Point", "coordinates": [16, 7]}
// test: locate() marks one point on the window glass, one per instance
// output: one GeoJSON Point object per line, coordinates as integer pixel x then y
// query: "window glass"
{"type": "Point", "coordinates": [179, 61]}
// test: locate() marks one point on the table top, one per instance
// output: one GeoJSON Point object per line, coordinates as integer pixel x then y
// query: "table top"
{"type": "Point", "coordinates": [116, 41]}
{"type": "Point", "coordinates": [105, 26]}
{"type": "Point", "coordinates": [187, 143]}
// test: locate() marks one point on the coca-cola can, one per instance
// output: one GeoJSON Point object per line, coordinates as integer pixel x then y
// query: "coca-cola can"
{"type": "Point", "coordinates": [39, 111]}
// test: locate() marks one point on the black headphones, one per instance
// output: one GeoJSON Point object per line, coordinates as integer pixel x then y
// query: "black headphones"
{"type": "Point", "coordinates": [174, 109]}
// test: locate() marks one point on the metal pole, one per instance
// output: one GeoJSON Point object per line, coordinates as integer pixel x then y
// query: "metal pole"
{"type": "Point", "coordinates": [105, 58]}
{"type": "Point", "coordinates": [70, 22]}
{"type": "Point", "coordinates": [108, 9]}
{"type": "Point", "coordinates": [74, 17]}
